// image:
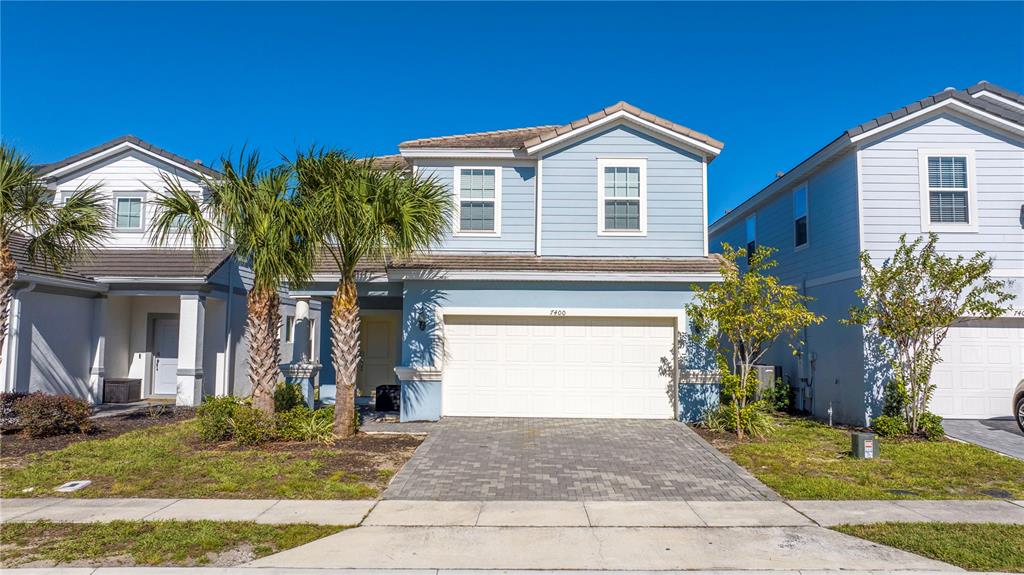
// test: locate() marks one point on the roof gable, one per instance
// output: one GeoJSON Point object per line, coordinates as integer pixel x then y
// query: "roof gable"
{"type": "Point", "coordinates": [534, 139]}
{"type": "Point", "coordinates": [116, 146]}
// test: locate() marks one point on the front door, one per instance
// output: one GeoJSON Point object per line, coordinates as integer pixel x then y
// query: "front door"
{"type": "Point", "coordinates": [165, 356]}
{"type": "Point", "coordinates": [378, 343]}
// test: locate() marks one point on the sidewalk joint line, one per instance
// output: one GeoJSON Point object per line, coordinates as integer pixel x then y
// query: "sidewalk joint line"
{"type": "Point", "coordinates": [148, 515]}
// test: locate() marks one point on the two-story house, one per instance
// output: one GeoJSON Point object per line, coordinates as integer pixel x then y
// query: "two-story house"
{"type": "Point", "coordinates": [561, 288]}
{"type": "Point", "coordinates": [953, 164]}
{"type": "Point", "coordinates": [159, 316]}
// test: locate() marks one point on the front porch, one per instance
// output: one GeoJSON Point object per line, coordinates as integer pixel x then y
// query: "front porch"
{"type": "Point", "coordinates": [176, 345]}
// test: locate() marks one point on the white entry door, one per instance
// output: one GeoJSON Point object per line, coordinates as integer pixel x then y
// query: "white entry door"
{"type": "Point", "coordinates": [982, 362]}
{"type": "Point", "coordinates": [378, 337]}
{"type": "Point", "coordinates": [165, 356]}
{"type": "Point", "coordinates": [600, 367]}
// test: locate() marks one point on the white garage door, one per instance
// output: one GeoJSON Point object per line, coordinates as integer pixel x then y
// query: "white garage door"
{"type": "Point", "coordinates": [982, 362]}
{"type": "Point", "coordinates": [557, 367]}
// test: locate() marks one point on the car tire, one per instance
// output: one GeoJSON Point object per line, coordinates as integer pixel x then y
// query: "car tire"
{"type": "Point", "coordinates": [1020, 413]}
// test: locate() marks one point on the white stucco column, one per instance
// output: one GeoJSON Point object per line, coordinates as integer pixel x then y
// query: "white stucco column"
{"type": "Point", "coordinates": [99, 345]}
{"type": "Point", "coordinates": [191, 321]}
{"type": "Point", "coordinates": [300, 339]}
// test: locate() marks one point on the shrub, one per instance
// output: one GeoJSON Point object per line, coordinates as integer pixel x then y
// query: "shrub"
{"type": "Point", "coordinates": [754, 419]}
{"type": "Point", "coordinates": [889, 426]}
{"type": "Point", "coordinates": [8, 417]}
{"type": "Point", "coordinates": [250, 426]}
{"type": "Point", "coordinates": [931, 426]}
{"type": "Point", "coordinates": [46, 415]}
{"type": "Point", "coordinates": [305, 424]}
{"type": "Point", "coordinates": [214, 416]}
{"type": "Point", "coordinates": [779, 396]}
{"type": "Point", "coordinates": [288, 396]}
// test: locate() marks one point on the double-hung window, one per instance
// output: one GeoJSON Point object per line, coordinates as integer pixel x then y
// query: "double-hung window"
{"type": "Point", "coordinates": [478, 193]}
{"type": "Point", "coordinates": [800, 216]}
{"type": "Point", "coordinates": [946, 198]}
{"type": "Point", "coordinates": [751, 227]}
{"type": "Point", "coordinates": [622, 196]}
{"type": "Point", "coordinates": [128, 213]}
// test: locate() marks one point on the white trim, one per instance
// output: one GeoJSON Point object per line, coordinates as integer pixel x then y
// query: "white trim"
{"type": "Point", "coordinates": [457, 182]}
{"type": "Point", "coordinates": [538, 206]}
{"type": "Point", "coordinates": [1012, 126]}
{"type": "Point", "coordinates": [704, 201]}
{"type": "Point", "coordinates": [639, 163]}
{"type": "Point", "coordinates": [677, 314]}
{"type": "Point", "coordinates": [117, 197]}
{"type": "Point", "coordinates": [581, 276]}
{"type": "Point", "coordinates": [624, 116]}
{"type": "Point", "coordinates": [998, 98]}
{"type": "Point", "coordinates": [972, 192]}
{"type": "Point", "coordinates": [860, 199]}
{"type": "Point", "coordinates": [806, 216]}
{"type": "Point", "coordinates": [487, 153]}
{"type": "Point", "coordinates": [113, 152]}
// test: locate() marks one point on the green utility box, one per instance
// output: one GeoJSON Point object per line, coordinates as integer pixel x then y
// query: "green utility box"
{"type": "Point", "coordinates": [865, 446]}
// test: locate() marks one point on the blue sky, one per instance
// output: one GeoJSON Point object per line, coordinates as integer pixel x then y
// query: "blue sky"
{"type": "Point", "coordinates": [775, 82]}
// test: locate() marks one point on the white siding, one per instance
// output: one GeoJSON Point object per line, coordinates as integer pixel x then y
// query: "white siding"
{"type": "Point", "coordinates": [125, 173]}
{"type": "Point", "coordinates": [892, 201]}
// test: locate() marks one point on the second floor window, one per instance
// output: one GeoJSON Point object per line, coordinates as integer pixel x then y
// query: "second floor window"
{"type": "Point", "coordinates": [478, 191]}
{"type": "Point", "coordinates": [751, 225]}
{"type": "Point", "coordinates": [622, 191]}
{"type": "Point", "coordinates": [800, 216]}
{"type": "Point", "coordinates": [128, 213]}
{"type": "Point", "coordinates": [947, 189]}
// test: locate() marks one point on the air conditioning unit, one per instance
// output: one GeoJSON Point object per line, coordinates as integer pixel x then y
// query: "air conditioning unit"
{"type": "Point", "coordinates": [767, 375]}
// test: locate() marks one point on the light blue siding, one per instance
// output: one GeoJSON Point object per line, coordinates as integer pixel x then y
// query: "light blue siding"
{"type": "Point", "coordinates": [892, 193]}
{"type": "Point", "coordinates": [675, 216]}
{"type": "Point", "coordinates": [518, 201]}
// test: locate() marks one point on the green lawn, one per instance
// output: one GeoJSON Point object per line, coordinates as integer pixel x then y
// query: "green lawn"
{"type": "Point", "coordinates": [805, 459]}
{"type": "Point", "coordinates": [150, 542]}
{"type": "Point", "coordinates": [976, 547]}
{"type": "Point", "coordinates": [169, 461]}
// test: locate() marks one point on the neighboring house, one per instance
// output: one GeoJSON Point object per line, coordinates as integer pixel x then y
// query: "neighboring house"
{"type": "Point", "coordinates": [561, 288]}
{"type": "Point", "coordinates": [162, 316]}
{"type": "Point", "coordinates": [953, 164]}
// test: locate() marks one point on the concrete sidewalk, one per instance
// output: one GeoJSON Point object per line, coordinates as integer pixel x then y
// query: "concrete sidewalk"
{"type": "Point", "coordinates": [274, 511]}
{"type": "Point", "coordinates": [397, 513]}
{"type": "Point", "coordinates": [301, 571]}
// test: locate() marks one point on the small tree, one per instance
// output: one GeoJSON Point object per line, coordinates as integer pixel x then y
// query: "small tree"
{"type": "Point", "coordinates": [741, 317]}
{"type": "Point", "coordinates": [910, 302]}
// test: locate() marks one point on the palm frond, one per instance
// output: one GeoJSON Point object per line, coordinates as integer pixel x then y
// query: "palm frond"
{"type": "Point", "coordinates": [73, 229]}
{"type": "Point", "coordinates": [180, 217]}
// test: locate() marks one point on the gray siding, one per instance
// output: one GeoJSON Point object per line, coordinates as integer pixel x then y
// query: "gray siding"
{"type": "Point", "coordinates": [675, 215]}
{"type": "Point", "coordinates": [892, 200]}
{"type": "Point", "coordinates": [518, 199]}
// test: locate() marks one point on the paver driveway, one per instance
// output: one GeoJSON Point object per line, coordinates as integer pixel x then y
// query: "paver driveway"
{"type": "Point", "coordinates": [473, 459]}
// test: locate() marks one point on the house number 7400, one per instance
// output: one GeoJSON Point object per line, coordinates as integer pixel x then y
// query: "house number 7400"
{"type": "Point", "coordinates": [558, 312]}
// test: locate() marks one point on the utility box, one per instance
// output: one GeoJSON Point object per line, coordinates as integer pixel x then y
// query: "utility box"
{"type": "Point", "coordinates": [865, 446]}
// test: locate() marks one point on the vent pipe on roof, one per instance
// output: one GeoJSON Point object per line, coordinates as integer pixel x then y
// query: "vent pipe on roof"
{"type": "Point", "coordinates": [200, 162]}
{"type": "Point", "coordinates": [949, 89]}
{"type": "Point", "coordinates": [779, 174]}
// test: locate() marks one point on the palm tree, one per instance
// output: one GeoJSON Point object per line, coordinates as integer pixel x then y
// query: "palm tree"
{"type": "Point", "coordinates": [364, 212]}
{"type": "Point", "coordinates": [256, 213]}
{"type": "Point", "coordinates": [57, 234]}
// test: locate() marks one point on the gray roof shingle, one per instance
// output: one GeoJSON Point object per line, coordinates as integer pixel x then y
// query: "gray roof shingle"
{"type": "Point", "coordinates": [487, 262]}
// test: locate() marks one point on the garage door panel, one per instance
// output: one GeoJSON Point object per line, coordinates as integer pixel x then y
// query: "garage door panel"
{"type": "Point", "coordinates": [557, 367]}
{"type": "Point", "coordinates": [982, 364]}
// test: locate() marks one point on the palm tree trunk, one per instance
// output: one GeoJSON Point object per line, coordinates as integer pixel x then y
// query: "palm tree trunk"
{"type": "Point", "coordinates": [345, 353]}
{"type": "Point", "coordinates": [261, 329]}
{"type": "Point", "coordinates": [7, 271]}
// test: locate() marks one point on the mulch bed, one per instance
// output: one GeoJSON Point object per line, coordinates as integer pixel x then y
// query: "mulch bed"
{"type": "Point", "coordinates": [17, 444]}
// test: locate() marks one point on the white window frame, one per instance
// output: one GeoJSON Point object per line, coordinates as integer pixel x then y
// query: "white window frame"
{"type": "Point", "coordinates": [117, 197]}
{"type": "Point", "coordinates": [289, 329]}
{"type": "Point", "coordinates": [972, 192]}
{"type": "Point", "coordinates": [640, 163]}
{"type": "Point", "coordinates": [806, 216]}
{"type": "Point", "coordinates": [457, 184]}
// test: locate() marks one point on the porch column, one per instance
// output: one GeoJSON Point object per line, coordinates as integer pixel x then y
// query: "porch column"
{"type": "Point", "coordinates": [301, 336]}
{"type": "Point", "coordinates": [99, 345]}
{"type": "Point", "coordinates": [191, 322]}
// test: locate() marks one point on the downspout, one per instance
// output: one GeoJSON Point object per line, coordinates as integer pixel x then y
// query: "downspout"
{"type": "Point", "coordinates": [228, 349]}
{"type": "Point", "coordinates": [13, 335]}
